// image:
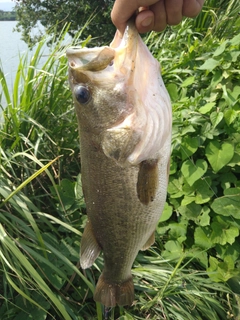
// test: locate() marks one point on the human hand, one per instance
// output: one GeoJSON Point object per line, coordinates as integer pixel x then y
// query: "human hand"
{"type": "Point", "coordinates": [153, 14]}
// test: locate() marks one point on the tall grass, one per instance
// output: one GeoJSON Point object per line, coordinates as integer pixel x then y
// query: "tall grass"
{"type": "Point", "coordinates": [42, 211]}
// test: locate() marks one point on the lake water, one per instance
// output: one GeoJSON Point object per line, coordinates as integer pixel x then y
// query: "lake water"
{"type": "Point", "coordinates": [11, 47]}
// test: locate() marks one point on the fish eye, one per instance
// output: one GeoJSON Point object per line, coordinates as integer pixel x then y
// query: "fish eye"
{"type": "Point", "coordinates": [82, 94]}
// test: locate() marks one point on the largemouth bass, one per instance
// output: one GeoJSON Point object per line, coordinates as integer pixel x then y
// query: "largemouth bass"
{"type": "Point", "coordinates": [125, 120]}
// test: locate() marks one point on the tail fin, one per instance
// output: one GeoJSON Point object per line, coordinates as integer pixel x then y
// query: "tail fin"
{"type": "Point", "coordinates": [110, 294]}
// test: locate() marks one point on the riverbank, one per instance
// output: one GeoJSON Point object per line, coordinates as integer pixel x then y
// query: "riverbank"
{"type": "Point", "coordinates": [8, 15]}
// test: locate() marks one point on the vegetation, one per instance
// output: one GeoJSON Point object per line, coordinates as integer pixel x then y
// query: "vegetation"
{"type": "Point", "coordinates": [7, 15]}
{"type": "Point", "coordinates": [193, 270]}
{"type": "Point", "coordinates": [55, 14]}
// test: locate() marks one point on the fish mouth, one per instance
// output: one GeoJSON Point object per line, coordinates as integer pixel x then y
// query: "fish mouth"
{"type": "Point", "coordinates": [100, 58]}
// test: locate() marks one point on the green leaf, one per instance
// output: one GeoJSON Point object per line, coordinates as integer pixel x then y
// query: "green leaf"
{"type": "Point", "coordinates": [175, 187]}
{"type": "Point", "coordinates": [207, 107]}
{"type": "Point", "coordinates": [173, 91]}
{"type": "Point", "coordinates": [235, 40]}
{"type": "Point", "coordinates": [216, 118]}
{"type": "Point", "coordinates": [236, 92]}
{"type": "Point", "coordinates": [187, 82]}
{"type": "Point", "coordinates": [210, 64]}
{"type": "Point", "coordinates": [178, 231]}
{"type": "Point", "coordinates": [173, 250]}
{"type": "Point", "coordinates": [221, 271]}
{"type": "Point", "coordinates": [234, 55]}
{"type": "Point", "coordinates": [189, 146]}
{"type": "Point", "coordinates": [202, 237]}
{"type": "Point", "coordinates": [204, 191]}
{"type": "Point", "coordinates": [190, 211]}
{"type": "Point", "coordinates": [219, 155]}
{"type": "Point", "coordinates": [204, 219]}
{"type": "Point", "coordinates": [230, 115]}
{"type": "Point", "coordinates": [192, 172]}
{"type": "Point", "coordinates": [167, 213]}
{"type": "Point", "coordinates": [222, 234]}
{"type": "Point", "coordinates": [228, 204]}
{"type": "Point", "coordinates": [220, 49]}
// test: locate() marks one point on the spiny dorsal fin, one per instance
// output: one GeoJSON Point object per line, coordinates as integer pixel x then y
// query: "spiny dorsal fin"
{"type": "Point", "coordinates": [147, 183]}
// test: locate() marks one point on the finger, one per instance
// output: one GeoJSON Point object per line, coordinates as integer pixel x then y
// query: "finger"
{"type": "Point", "coordinates": [174, 11]}
{"type": "Point", "coordinates": [191, 8]}
{"type": "Point", "coordinates": [124, 9]}
{"type": "Point", "coordinates": [144, 21]}
{"type": "Point", "coordinates": [152, 19]}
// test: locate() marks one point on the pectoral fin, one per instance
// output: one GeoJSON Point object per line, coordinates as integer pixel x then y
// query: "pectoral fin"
{"type": "Point", "coordinates": [90, 249]}
{"type": "Point", "coordinates": [147, 183]}
{"type": "Point", "coordinates": [150, 242]}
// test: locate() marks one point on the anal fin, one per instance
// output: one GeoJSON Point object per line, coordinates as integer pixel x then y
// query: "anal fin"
{"type": "Point", "coordinates": [149, 242]}
{"type": "Point", "coordinates": [147, 183]}
{"type": "Point", "coordinates": [90, 249]}
{"type": "Point", "coordinates": [112, 294]}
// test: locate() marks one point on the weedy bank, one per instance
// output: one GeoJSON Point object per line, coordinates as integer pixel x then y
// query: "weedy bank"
{"type": "Point", "coordinates": [192, 271]}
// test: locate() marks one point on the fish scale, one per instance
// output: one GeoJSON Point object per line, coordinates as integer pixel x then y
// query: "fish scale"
{"type": "Point", "coordinates": [124, 116]}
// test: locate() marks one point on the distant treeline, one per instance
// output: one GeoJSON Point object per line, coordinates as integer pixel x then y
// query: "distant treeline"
{"type": "Point", "coordinates": [7, 15]}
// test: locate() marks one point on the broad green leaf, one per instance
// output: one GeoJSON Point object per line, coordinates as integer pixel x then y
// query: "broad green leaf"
{"type": "Point", "coordinates": [187, 82]}
{"type": "Point", "coordinates": [202, 237]}
{"type": "Point", "coordinates": [216, 118]}
{"type": "Point", "coordinates": [220, 271]}
{"type": "Point", "coordinates": [227, 95]}
{"type": "Point", "coordinates": [236, 92]}
{"type": "Point", "coordinates": [204, 191]}
{"type": "Point", "coordinates": [192, 172]}
{"type": "Point", "coordinates": [229, 250]}
{"type": "Point", "coordinates": [204, 219]}
{"type": "Point", "coordinates": [178, 230]}
{"type": "Point", "coordinates": [190, 211]}
{"type": "Point", "coordinates": [175, 188]}
{"type": "Point", "coordinates": [167, 212]}
{"type": "Point", "coordinates": [230, 115]}
{"type": "Point", "coordinates": [187, 129]}
{"type": "Point", "coordinates": [173, 91]}
{"type": "Point", "coordinates": [210, 64]}
{"type": "Point", "coordinates": [222, 234]}
{"type": "Point", "coordinates": [227, 179]}
{"type": "Point", "coordinates": [187, 200]}
{"type": "Point", "coordinates": [189, 146]}
{"type": "Point", "coordinates": [219, 155]}
{"type": "Point", "coordinates": [173, 250]}
{"type": "Point", "coordinates": [220, 49]}
{"type": "Point", "coordinates": [234, 55]}
{"type": "Point", "coordinates": [227, 205]}
{"type": "Point", "coordinates": [207, 107]}
{"type": "Point", "coordinates": [235, 40]}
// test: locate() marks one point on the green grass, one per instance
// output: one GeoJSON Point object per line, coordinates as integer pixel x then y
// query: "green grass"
{"type": "Point", "coordinates": [192, 271]}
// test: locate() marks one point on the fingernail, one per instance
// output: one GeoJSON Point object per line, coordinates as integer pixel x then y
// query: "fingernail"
{"type": "Point", "coordinates": [146, 22]}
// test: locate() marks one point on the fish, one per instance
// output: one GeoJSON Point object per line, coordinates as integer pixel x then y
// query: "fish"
{"type": "Point", "coordinates": [125, 119]}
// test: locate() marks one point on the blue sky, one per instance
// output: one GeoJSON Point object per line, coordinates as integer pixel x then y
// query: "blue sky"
{"type": "Point", "coordinates": [6, 5]}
